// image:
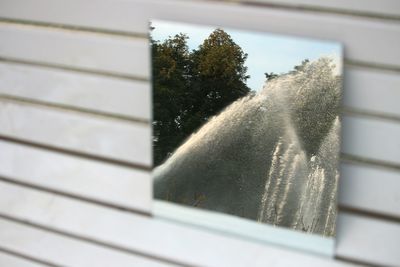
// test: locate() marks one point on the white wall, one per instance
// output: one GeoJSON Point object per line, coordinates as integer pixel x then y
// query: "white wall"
{"type": "Point", "coordinates": [75, 151]}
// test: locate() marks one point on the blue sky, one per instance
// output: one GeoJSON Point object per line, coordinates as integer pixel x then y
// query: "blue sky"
{"type": "Point", "coordinates": [266, 52]}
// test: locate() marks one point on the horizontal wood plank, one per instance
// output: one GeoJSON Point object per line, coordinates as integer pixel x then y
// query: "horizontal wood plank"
{"type": "Point", "coordinates": [106, 183]}
{"type": "Point", "coordinates": [110, 15]}
{"type": "Point", "coordinates": [368, 240]}
{"type": "Point", "coordinates": [94, 52]}
{"type": "Point", "coordinates": [371, 138]}
{"type": "Point", "coordinates": [119, 140]}
{"type": "Point", "coordinates": [133, 16]}
{"type": "Point", "coordinates": [370, 188]}
{"type": "Point", "coordinates": [371, 90]}
{"type": "Point", "coordinates": [166, 240]}
{"type": "Point", "coordinates": [62, 250]}
{"type": "Point", "coordinates": [16, 261]}
{"type": "Point", "coordinates": [96, 93]}
{"type": "Point", "coordinates": [371, 7]}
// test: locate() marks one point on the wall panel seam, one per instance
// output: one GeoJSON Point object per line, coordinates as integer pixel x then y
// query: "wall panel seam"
{"type": "Point", "coordinates": [371, 65]}
{"type": "Point", "coordinates": [368, 214]}
{"type": "Point", "coordinates": [63, 27]}
{"type": "Point", "coordinates": [91, 240]}
{"type": "Point", "coordinates": [73, 69]}
{"type": "Point", "coordinates": [357, 112]}
{"type": "Point", "coordinates": [69, 108]}
{"type": "Point", "coordinates": [32, 186]}
{"type": "Point", "coordinates": [348, 158]}
{"type": "Point", "coordinates": [354, 261]}
{"type": "Point", "coordinates": [75, 153]}
{"type": "Point", "coordinates": [26, 257]}
{"type": "Point", "coordinates": [319, 9]}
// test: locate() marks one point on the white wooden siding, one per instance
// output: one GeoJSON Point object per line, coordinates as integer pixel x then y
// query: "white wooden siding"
{"type": "Point", "coordinates": [17, 261]}
{"type": "Point", "coordinates": [370, 188]}
{"type": "Point", "coordinates": [383, 8]}
{"type": "Point", "coordinates": [371, 138]}
{"type": "Point", "coordinates": [129, 99]}
{"type": "Point", "coordinates": [94, 180]}
{"type": "Point", "coordinates": [92, 51]}
{"type": "Point", "coordinates": [75, 144]}
{"type": "Point", "coordinates": [62, 250]}
{"type": "Point", "coordinates": [109, 138]}
{"type": "Point", "coordinates": [363, 87]}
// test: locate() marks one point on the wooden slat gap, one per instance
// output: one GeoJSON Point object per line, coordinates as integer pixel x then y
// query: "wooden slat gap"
{"type": "Point", "coordinates": [369, 114]}
{"type": "Point", "coordinates": [354, 261]}
{"type": "Point", "coordinates": [369, 214]}
{"type": "Point", "coordinates": [69, 108]}
{"type": "Point", "coordinates": [324, 10]}
{"type": "Point", "coordinates": [74, 196]}
{"type": "Point", "coordinates": [347, 158]}
{"type": "Point", "coordinates": [88, 30]}
{"type": "Point", "coordinates": [93, 241]}
{"type": "Point", "coordinates": [76, 153]}
{"type": "Point", "coordinates": [371, 65]}
{"type": "Point", "coordinates": [73, 69]}
{"type": "Point", "coordinates": [29, 258]}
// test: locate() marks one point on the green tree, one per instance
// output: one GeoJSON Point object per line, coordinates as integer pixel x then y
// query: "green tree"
{"type": "Point", "coordinates": [170, 71]}
{"type": "Point", "coordinates": [190, 87]}
{"type": "Point", "coordinates": [271, 76]}
{"type": "Point", "coordinates": [219, 73]}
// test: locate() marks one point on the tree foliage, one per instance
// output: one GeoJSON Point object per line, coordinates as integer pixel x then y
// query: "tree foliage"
{"type": "Point", "coordinates": [192, 86]}
{"type": "Point", "coordinates": [270, 76]}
